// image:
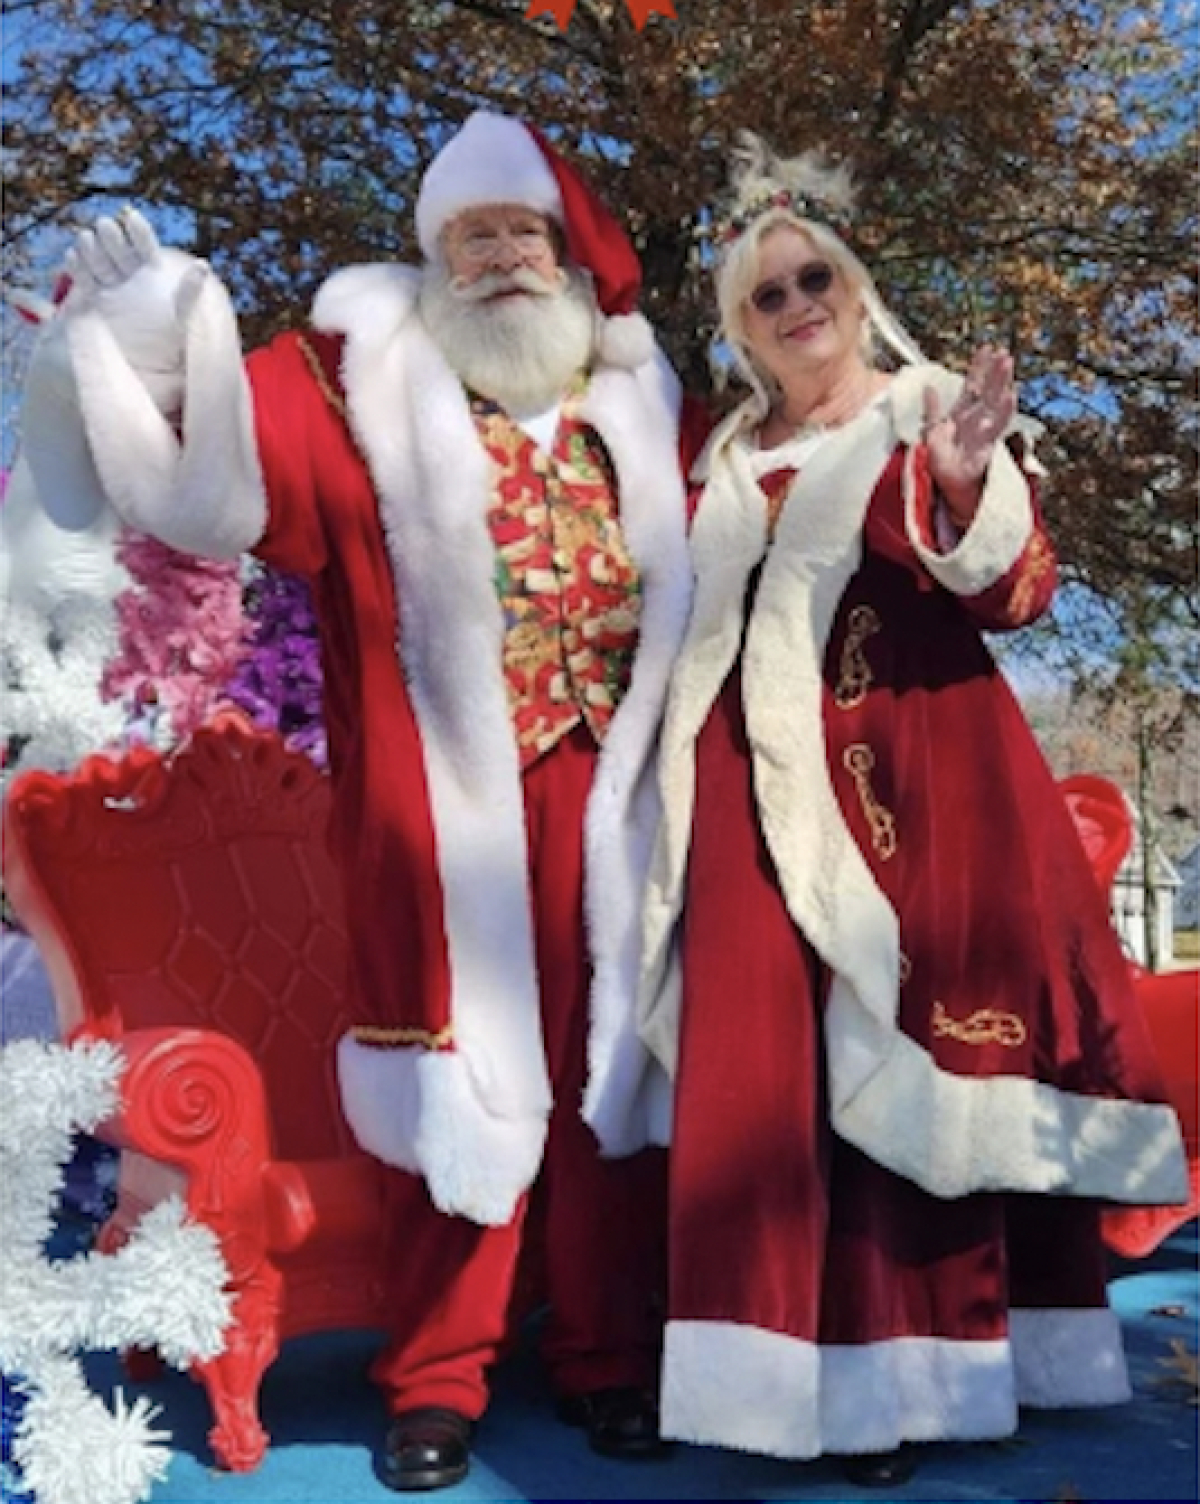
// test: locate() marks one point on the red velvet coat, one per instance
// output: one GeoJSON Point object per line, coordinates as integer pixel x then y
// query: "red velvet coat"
{"type": "Point", "coordinates": [366, 473]}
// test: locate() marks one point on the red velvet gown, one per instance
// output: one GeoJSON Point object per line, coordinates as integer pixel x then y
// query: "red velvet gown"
{"type": "Point", "coordinates": [819, 1301]}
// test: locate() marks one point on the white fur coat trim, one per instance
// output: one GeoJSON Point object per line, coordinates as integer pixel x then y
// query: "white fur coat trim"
{"type": "Point", "coordinates": [414, 426]}
{"type": "Point", "coordinates": [420, 1110]}
{"type": "Point", "coordinates": [827, 884]}
{"type": "Point", "coordinates": [1003, 1132]}
{"type": "Point", "coordinates": [994, 1133]}
{"type": "Point", "coordinates": [996, 538]}
{"type": "Point", "coordinates": [1068, 1358]}
{"type": "Point", "coordinates": [627, 1097]}
{"type": "Point", "coordinates": [732, 1385]}
{"type": "Point", "coordinates": [203, 495]}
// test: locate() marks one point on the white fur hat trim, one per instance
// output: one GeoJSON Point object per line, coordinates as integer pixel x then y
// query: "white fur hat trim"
{"type": "Point", "coordinates": [492, 160]}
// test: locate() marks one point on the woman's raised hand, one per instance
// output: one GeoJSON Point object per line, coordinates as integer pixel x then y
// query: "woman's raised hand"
{"type": "Point", "coordinates": [960, 441]}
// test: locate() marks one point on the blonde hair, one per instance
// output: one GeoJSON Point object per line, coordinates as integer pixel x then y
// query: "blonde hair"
{"type": "Point", "coordinates": [806, 194]}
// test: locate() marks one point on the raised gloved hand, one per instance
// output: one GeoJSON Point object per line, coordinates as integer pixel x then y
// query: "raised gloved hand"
{"type": "Point", "coordinates": [114, 252]}
{"type": "Point", "coordinates": [143, 290]}
{"type": "Point", "coordinates": [142, 293]}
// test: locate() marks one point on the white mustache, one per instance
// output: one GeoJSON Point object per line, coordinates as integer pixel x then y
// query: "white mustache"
{"type": "Point", "coordinates": [494, 284]}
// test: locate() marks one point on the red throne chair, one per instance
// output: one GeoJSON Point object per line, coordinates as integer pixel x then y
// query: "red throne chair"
{"type": "Point", "coordinates": [186, 908]}
{"type": "Point", "coordinates": [1105, 826]}
{"type": "Point", "coordinates": [1170, 1001]}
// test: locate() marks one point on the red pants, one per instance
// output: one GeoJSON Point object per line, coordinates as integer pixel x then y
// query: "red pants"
{"type": "Point", "coordinates": [589, 1238]}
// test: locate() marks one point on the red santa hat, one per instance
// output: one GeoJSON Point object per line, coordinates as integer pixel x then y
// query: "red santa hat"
{"type": "Point", "coordinates": [495, 159]}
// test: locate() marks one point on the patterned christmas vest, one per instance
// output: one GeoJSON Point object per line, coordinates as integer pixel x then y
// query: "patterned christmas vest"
{"type": "Point", "coordinates": [570, 592]}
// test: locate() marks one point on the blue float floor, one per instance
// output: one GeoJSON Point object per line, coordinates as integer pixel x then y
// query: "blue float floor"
{"type": "Point", "coordinates": [326, 1425]}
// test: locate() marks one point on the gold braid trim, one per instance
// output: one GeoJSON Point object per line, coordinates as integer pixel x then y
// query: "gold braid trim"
{"type": "Point", "coordinates": [855, 676]}
{"type": "Point", "coordinates": [1034, 567]}
{"type": "Point", "coordinates": [395, 1039]}
{"type": "Point", "coordinates": [313, 361]}
{"type": "Point", "coordinates": [859, 760]}
{"type": "Point", "coordinates": [984, 1026]}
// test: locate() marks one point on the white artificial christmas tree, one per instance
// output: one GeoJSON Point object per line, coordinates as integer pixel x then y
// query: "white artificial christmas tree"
{"type": "Point", "coordinates": [51, 666]}
{"type": "Point", "coordinates": [164, 1289]}
{"type": "Point", "coordinates": [58, 629]}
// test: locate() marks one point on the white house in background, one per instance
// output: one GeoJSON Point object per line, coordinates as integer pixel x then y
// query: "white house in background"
{"type": "Point", "coordinates": [1129, 902]}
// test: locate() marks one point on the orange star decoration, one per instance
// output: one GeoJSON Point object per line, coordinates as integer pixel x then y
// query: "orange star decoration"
{"type": "Point", "coordinates": [563, 10]}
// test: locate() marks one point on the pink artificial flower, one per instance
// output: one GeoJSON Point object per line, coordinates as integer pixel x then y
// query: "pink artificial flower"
{"type": "Point", "coordinates": [180, 630]}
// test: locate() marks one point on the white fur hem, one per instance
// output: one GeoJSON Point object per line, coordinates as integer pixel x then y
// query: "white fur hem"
{"type": "Point", "coordinates": [995, 1133]}
{"type": "Point", "coordinates": [422, 1111]}
{"type": "Point", "coordinates": [1066, 1358]}
{"type": "Point", "coordinates": [738, 1386]}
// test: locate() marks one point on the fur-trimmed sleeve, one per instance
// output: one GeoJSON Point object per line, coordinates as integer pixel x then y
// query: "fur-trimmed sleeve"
{"type": "Point", "coordinates": [1001, 588]}
{"type": "Point", "coordinates": [1003, 567]}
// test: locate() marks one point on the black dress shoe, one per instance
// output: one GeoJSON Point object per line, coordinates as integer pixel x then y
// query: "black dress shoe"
{"type": "Point", "coordinates": [619, 1422]}
{"type": "Point", "coordinates": [880, 1469]}
{"type": "Point", "coordinates": [427, 1448]}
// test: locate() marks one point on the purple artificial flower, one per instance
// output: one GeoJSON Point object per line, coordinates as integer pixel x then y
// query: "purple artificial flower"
{"type": "Point", "coordinates": [278, 681]}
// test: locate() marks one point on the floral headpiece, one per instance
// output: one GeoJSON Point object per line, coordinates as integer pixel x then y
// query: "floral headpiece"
{"type": "Point", "coordinates": [731, 226]}
{"type": "Point", "coordinates": [761, 182]}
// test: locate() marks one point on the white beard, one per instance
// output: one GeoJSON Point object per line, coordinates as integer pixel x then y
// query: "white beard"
{"type": "Point", "coordinates": [522, 352]}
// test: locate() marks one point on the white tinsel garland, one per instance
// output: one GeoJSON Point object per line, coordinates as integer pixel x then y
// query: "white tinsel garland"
{"type": "Point", "coordinates": [164, 1289]}
{"type": "Point", "coordinates": [50, 669]}
{"type": "Point", "coordinates": [72, 1450]}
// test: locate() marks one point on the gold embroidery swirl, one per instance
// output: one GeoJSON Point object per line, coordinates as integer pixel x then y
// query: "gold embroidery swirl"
{"type": "Point", "coordinates": [395, 1039]}
{"type": "Point", "coordinates": [855, 676]}
{"type": "Point", "coordinates": [984, 1026]}
{"type": "Point", "coordinates": [1033, 568]}
{"type": "Point", "coordinates": [859, 760]}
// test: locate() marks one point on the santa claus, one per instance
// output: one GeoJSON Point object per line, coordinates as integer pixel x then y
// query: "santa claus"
{"type": "Point", "coordinates": [446, 452]}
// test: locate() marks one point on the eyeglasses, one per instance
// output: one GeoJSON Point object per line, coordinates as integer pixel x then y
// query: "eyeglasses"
{"type": "Point", "coordinates": [812, 280]}
{"type": "Point", "coordinates": [484, 245]}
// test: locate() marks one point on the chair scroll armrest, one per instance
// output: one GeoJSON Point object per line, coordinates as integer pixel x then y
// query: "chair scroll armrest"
{"type": "Point", "coordinates": [194, 1098]}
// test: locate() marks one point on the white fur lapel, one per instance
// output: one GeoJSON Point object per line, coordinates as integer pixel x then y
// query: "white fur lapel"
{"type": "Point", "coordinates": [636, 414]}
{"type": "Point", "coordinates": [815, 552]}
{"type": "Point", "coordinates": [727, 540]}
{"type": "Point", "coordinates": [412, 422]}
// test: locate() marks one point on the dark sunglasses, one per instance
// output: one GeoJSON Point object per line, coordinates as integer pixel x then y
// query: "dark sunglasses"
{"type": "Point", "coordinates": [812, 280]}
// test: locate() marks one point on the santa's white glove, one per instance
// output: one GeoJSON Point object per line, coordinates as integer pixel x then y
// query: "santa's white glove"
{"type": "Point", "coordinates": [111, 253]}
{"type": "Point", "coordinates": [143, 294]}
{"type": "Point", "coordinates": [144, 291]}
